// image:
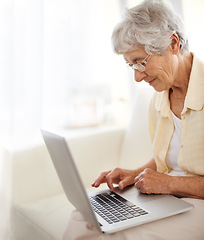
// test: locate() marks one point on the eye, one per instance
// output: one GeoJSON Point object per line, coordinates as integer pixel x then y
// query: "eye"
{"type": "Point", "coordinates": [143, 64]}
{"type": "Point", "coordinates": [129, 64]}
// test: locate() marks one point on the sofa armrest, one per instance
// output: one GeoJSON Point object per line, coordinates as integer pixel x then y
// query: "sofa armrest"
{"type": "Point", "coordinates": [33, 174]}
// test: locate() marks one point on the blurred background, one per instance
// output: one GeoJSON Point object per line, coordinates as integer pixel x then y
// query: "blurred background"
{"type": "Point", "coordinates": [58, 70]}
{"type": "Point", "coordinates": [57, 67]}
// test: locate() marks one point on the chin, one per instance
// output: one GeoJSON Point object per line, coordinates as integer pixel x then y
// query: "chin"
{"type": "Point", "coordinates": [160, 87]}
{"type": "Point", "coordinates": [159, 90]}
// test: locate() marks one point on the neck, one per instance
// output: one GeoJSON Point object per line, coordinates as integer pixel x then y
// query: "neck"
{"type": "Point", "coordinates": [179, 89]}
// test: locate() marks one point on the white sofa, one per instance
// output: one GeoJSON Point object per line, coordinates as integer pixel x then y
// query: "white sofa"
{"type": "Point", "coordinates": [40, 210]}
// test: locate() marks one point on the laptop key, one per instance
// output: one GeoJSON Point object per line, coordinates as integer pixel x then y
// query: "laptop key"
{"type": "Point", "coordinates": [114, 208]}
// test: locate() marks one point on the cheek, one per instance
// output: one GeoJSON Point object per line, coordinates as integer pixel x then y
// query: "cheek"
{"type": "Point", "coordinates": [163, 82]}
{"type": "Point", "coordinates": [162, 73]}
{"type": "Point", "coordinates": [155, 71]}
{"type": "Point", "coordinates": [167, 70]}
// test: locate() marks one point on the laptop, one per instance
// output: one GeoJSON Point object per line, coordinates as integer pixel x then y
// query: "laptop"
{"type": "Point", "coordinates": [108, 211]}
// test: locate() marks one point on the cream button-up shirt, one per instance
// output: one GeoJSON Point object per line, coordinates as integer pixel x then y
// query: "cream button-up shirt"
{"type": "Point", "coordinates": [161, 126]}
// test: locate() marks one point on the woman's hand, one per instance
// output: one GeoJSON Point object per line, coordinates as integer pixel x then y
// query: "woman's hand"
{"type": "Point", "coordinates": [118, 176]}
{"type": "Point", "coordinates": [150, 181]}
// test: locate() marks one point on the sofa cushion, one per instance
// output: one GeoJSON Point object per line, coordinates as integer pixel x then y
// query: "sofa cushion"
{"type": "Point", "coordinates": [137, 147]}
{"type": "Point", "coordinates": [42, 220]}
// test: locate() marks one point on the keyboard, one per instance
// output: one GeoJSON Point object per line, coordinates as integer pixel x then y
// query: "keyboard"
{"type": "Point", "coordinates": [113, 208]}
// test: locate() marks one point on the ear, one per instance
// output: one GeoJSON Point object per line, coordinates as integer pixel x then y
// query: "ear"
{"type": "Point", "coordinates": [174, 44]}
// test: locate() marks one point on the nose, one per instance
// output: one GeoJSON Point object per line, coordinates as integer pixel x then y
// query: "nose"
{"type": "Point", "coordinates": [139, 76]}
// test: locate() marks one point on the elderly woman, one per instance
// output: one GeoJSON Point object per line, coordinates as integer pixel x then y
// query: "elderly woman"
{"type": "Point", "coordinates": [152, 41]}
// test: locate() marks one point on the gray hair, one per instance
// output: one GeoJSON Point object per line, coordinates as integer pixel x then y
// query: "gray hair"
{"type": "Point", "coordinates": [150, 25]}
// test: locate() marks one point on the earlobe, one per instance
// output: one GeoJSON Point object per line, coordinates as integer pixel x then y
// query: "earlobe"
{"type": "Point", "coordinates": [175, 44]}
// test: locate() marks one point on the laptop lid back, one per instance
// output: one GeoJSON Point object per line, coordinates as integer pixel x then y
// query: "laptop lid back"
{"type": "Point", "coordinates": [68, 175]}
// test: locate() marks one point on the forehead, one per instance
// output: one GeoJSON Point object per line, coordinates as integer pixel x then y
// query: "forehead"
{"type": "Point", "coordinates": [134, 55]}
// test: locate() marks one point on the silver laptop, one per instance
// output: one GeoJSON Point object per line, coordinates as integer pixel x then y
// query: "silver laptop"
{"type": "Point", "coordinates": [108, 211]}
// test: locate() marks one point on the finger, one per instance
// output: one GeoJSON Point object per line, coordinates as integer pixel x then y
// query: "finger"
{"type": "Point", "coordinates": [138, 182]}
{"type": "Point", "coordinates": [137, 179]}
{"type": "Point", "coordinates": [110, 179]}
{"type": "Point", "coordinates": [137, 185]}
{"type": "Point", "coordinates": [138, 176]}
{"type": "Point", "coordinates": [125, 182]}
{"type": "Point", "coordinates": [113, 177]}
{"type": "Point", "coordinates": [110, 184]}
{"type": "Point", "coordinates": [100, 179]}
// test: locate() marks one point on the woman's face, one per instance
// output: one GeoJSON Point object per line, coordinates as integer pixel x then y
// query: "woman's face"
{"type": "Point", "coordinates": [160, 70]}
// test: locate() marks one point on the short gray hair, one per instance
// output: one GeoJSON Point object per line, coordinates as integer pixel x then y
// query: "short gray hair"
{"type": "Point", "coordinates": [150, 25]}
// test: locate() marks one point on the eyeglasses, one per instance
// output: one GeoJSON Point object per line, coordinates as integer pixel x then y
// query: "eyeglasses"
{"type": "Point", "coordinates": [140, 66]}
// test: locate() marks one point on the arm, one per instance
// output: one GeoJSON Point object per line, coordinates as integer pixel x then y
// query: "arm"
{"type": "Point", "coordinates": [187, 187]}
{"type": "Point", "coordinates": [122, 177]}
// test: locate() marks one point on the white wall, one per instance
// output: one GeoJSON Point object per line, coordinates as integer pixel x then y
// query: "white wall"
{"type": "Point", "coordinates": [193, 14]}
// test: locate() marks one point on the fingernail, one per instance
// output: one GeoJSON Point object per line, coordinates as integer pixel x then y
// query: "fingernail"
{"type": "Point", "coordinates": [121, 186]}
{"type": "Point", "coordinates": [96, 184]}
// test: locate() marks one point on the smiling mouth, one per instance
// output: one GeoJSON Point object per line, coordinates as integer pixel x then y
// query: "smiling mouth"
{"type": "Point", "coordinates": [152, 81]}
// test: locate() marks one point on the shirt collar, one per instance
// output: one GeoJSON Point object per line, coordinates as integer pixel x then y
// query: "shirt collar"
{"type": "Point", "coordinates": [162, 103]}
{"type": "Point", "coordinates": [195, 96]}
